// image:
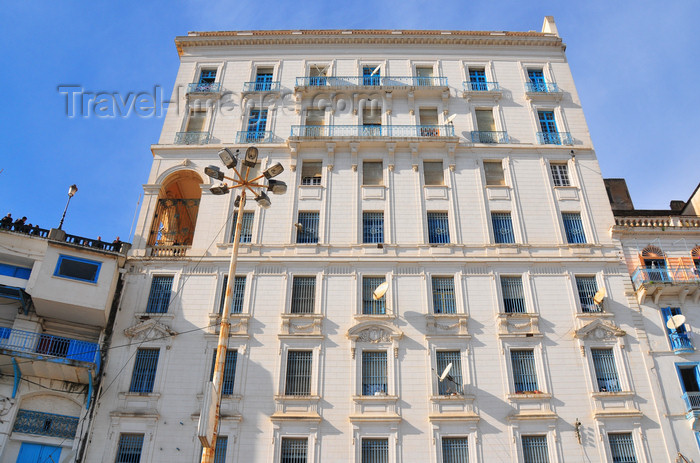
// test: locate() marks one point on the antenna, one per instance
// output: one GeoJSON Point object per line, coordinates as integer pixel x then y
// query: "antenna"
{"type": "Point", "coordinates": [675, 322]}
{"type": "Point", "coordinates": [599, 296]}
{"type": "Point", "coordinates": [450, 119]}
{"type": "Point", "coordinates": [446, 372]}
{"type": "Point", "coordinates": [380, 291]}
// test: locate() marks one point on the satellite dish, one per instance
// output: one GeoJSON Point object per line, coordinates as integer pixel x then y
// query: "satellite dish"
{"type": "Point", "coordinates": [675, 322]}
{"type": "Point", "coordinates": [380, 291]}
{"type": "Point", "coordinates": [446, 372]}
{"type": "Point", "coordinates": [376, 70]}
{"type": "Point", "coordinates": [599, 296]}
{"type": "Point", "coordinates": [450, 119]}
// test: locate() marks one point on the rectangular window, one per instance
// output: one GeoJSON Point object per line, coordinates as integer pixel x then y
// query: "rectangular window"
{"type": "Point", "coordinates": [429, 122]}
{"type": "Point", "coordinates": [587, 287]}
{"type": "Point", "coordinates": [371, 75]}
{"type": "Point", "coordinates": [15, 272]}
{"type": "Point", "coordinates": [372, 227]}
{"type": "Point", "coordinates": [220, 450]}
{"type": "Point", "coordinates": [372, 116]}
{"type": "Point", "coordinates": [573, 227]}
{"type": "Point", "coordinates": [524, 370]}
{"type": "Point", "coordinates": [374, 379]}
{"type": "Point", "coordinates": [452, 384]}
{"type": "Point", "coordinates": [33, 453]}
{"type": "Point", "coordinates": [369, 305]}
{"type": "Point", "coordinates": [547, 122]}
{"type": "Point", "coordinates": [159, 297]}
{"type": "Point", "coordinates": [74, 268]}
{"type": "Point", "coordinates": [246, 226]}
{"type": "Point", "coordinates": [195, 123]}
{"type": "Point", "coordinates": [263, 79]}
{"type": "Point", "coordinates": [537, 83]}
{"type": "Point", "coordinates": [477, 77]}
{"type": "Point", "coordinates": [129, 450]}
{"type": "Point", "coordinates": [311, 173]}
{"type": "Point", "coordinates": [513, 297]}
{"type": "Point", "coordinates": [315, 118]}
{"type": "Point", "coordinates": [317, 75]}
{"type": "Point", "coordinates": [444, 295]}
{"type": "Point", "coordinates": [560, 174]}
{"type": "Point", "coordinates": [238, 292]}
{"type": "Point", "coordinates": [425, 75]}
{"type": "Point", "coordinates": [433, 173]}
{"type": "Point", "coordinates": [298, 379]}
{"type": "Point", "coordinates": [438, 228]}
{"type": "Point", "coordinates": [207, 76]}
{"type": "Point", "coordinates": [484, 120]}
{"type": "Point", "coordinates": [372, 173]}
{"type": "Point", "coordinates": [678, 336]}
{"type": "Point", "coordinates": [257, 122]}
{"type": "Point", "coordinates": [622, 448]}
{"type": "Point", "coordinates": [375, 450]}
{"type": "Point", "coordinates": [493, 170]}
{"type": "Point", "coordinates": [605, 371]}
{"type": "Point", "coordinates": [294, 450]}
{"type": "Point", "coordinates": [303, 294]}
{"type": "Point", "coordinates": [307, 227]}
{"type": "Point", "coordinates": [502, 228]}
{"type": "Point", "coordinates": [455, 450]}
{"type": "Point", "coordinates": [144, 373]}
{"type": "Point", "coordinates": [229, 371]}
{"type": "Point", "coordinates": [535, 449]}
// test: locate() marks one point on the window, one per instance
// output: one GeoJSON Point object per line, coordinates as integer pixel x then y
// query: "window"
{"type": "Point", "coordinates": [73, 268]}
{"type": "Point", "coordinates": [549, 133]}
{"type": "Point", "coordinates": [587, 287]}
{"type": "Point", "coordinates": [263, 79]}
{"type": "Point", "coordinates": [129, 450]}
{"type": "Point", "coordinates": [303, 294]}
{"type": "Point", "coordinates": [524, 371]}
{"type": "Point", "coordinates": [195, 123]}
{"type": "Point", "coordinates": [502, 228]}
{"type": "Point", "coordinates": [605, 371]}
{"type": "Point", "coordinates": [15, 272]}
{"type": "Point", "coordinates": [513, 298]}
{"type": "Point", "coordinates": [257, 122]}
{"type": "Point", "coordinates": [425, 75]}
{"type": "Point", "coordinates": [159, 297]}
{"type": "Point", "coordinates": [372, 173]}
{"type": "Point", "coordinates": [220, 449]}
{"type": "Point", "coordinates": [369, 305]}
{"type": "Point", "coordinates": [314, 121]}
{"type": "Point", "coordinates": [477, 78]}
{"type": "Point", "coordinates": [447, 386]}
{"type": "Point", "coordinates": [443, 295]}
{"type": "Point", "coordinates": [371, 75]}
{"type": "Point", "coordinates": [622, 448]}
{"type": "Point", "coordinates": [372, 122]}
{"type": "Point", "coordinates": [560, 174]}
{"type": "Point", "coordinates": [484, 121]}
{"type": "Point", "coordinates": [294, 450]}
{"type": "Point", "coordinates": [207, 76]}
{"type": "Point", "coordinates": [429, 122]}
{"type": "Point", "coordinates": [374, 368]}
{"type": "Point", "coordinates": [246, 225]}
{"type": "Point", "coordinates": [678, 337]}
{"type": "Point", "coordinates": [317, 75]}
{"type": "Point", "coordinates": [433, 173]}
{"type": "Point", "coordinates": [311, 173]}
{"type": "Point", "coordinates": [438, 228]}
{"type": "Point", "coordinates": [455, 450]}
{"type": "Point", "coordinates": [372, 227]}
{"type": "Point", "coordinates": [537, 83]}
{"type": "Point", "coordinates": [573, 227]}
{"type": "Point", "coordinates": [690, 383]}
{"type": "Point", "coordinates": [144, 373]}
{"type": "Point", "coordinates": [493, 170]}
{"type": "Point", "coordinates": [375, 450]}
{"type": "Point", "coordinates": [229, 371]}
{"type": "Point", "coordinates": [535, 449]}
{"type": "Point", "coordinates": [298, 378]}
{"type": "Point", "coordinates": [307, 227]}
{"type": "Point", "coordinates": [238, 292]}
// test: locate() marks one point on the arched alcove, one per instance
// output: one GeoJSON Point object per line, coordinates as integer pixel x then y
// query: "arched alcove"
{"type": "Point", "coordinates": [175, 217]}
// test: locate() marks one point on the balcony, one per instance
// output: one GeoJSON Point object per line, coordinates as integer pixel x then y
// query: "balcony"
{"type": "Point", "coordinates": [168, 250]}
{"type": "Point", "coordinates": [481, 86]}
{"type": "Point", "coordinates": [310, 83]}
{"type": "Point", "coordinates": [542, 87]}
{"type": "Point", "coordinates": [365, 131]}
{"type": "Point", "coordinates": [46, 424]}
{"type": "Point", "coordinates": [680, 343]}
{"type": "Point", "coordinates": [192, 138]}
{"type": "Point", "coordinates": [204, 87]}
{"type": "Point", "coordinates": [554, 138]}
{"type": "Point", "coordinates": [489, 137]}
{"type": "Point", "coordinates": [261, 86]}
{"type": "Point", "coordinates": [677, 280]}
{"type": "Point", "coordinates": [254, 137]}
{"type": "Point", "coordinates": [692, 401]}
{"type": "Point", "coordinates": [52, 357]}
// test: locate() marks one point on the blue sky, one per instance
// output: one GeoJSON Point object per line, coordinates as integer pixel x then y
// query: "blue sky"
{"type": "Point", "coordinates": [635, 65]}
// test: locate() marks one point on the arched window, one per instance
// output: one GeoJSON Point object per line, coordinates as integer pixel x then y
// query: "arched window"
{"type": "Point", "coordinates": [696, 257]}
{"type": "Point", "coordinates": [176, 212]}
{"type": "Point", "coordinates": [654, 259]}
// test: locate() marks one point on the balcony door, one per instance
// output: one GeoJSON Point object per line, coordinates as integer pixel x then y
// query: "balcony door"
{"type": "Point", "coordinates": [36, 453]}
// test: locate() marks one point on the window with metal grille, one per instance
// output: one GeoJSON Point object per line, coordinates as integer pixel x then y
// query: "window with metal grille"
{"type": "Point", "coordinates": [513, 296]}
{"type": "Point", "coordinates": [502, 228]}
{"type": "Point", "coordinates": [246, 226]}
{"type": "Point", "coordinates": [372, 227]}
{"type": "Point", "coordinates": [144, 373]}
{"type": "Point", "coordinates": [307, 227]}
{"type": "Point", "coordinates": [444, 295]}
{"type": "Point", "coordinates": [303, 294]}
{"type": "Point", "coordinates": [678, 336]}
{"type": "Point", "coordinates": [159, 297]}
{"type": "Point", "coordinates": [207, 76]}
{"type": "Point", "coordinates": [294, 450]}
{"type": "Point", "coordinates": [129, 450]}
{"type": "Point", "coordinates": [524, 370]}
{"type": "Point", "coordinates": [455, 450]}
{"type": "Point", "coordinates": [535, 449]}
{"type": "Point", "coordinates": [369, 305]}
{"type": "Point", "coordinates": [452, 384]}
{"type": "Point", "coordinates": [605, 370]}
{"type": "Point", "coordinates": [573, 227]}
{"type": "Point", "coordinates": [311, 173]}
{"type": "Point", "coordinates": [229, 371]}
{"type": "Point", "coordinates": [622, 448]}
{"type": "Point", "coordinates": [220, 449]}
{"type": "Point", "coordinates": [238, 292]}
{"type": "Point", "coordinates": [587, 287]}
{"type": "Point", "coordinates": [493, 171]}
{"type": "Point", "coordinates": [372, 173]}
{"type": "Point", "coordinates": [560, 174]}
{"type": "Point", "coordinates": [375, 450]}
{"type": "Point", "coordinates": [433, 173]}
{"type": "Point", "coordinates": [374, 381]}
{"type": "Point", "coordinates": [438, 228]}
{"type": "Point", "coordinates": [298, 378]}
{"type": "Point", "coordinates": [373, 117]}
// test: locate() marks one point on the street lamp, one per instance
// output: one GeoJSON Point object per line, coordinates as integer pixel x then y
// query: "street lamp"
{"type": "Point", "coordinates": [209, 417]}
{"type": "Point", "coordinates": [73, 189]}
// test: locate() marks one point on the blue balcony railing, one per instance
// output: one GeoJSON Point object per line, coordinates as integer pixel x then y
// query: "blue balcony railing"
{"type": "Point", "coordinates": [46, 424]}
{"type": "Point", "coordinates": [371, 81]}
{"type": "Point", "coordinates": [677, 275]}
{"type": "Point", "coordinates": [692, 401]}
{"type": "Point", "coordinates": [481, 86]}
{"type": "Point", "coordinates": [373, 131]}
{"type": "Point", "coordinates": [261, 86]}
{"type": "Point", "coordinates": [204, 87]}
{"type": "Point", "coordinates": [554, 138]}
{"type": "Point", "coordinates": [192, 138]}
{"type": "Point", "coordinates": [489, 137]}
{"type": "Point", "coordinates": [680, 343]}
{"type": "Point", "coordinates": [254, 137]}
{"type": "Point", "coordinates": [541, 87]}
{"type": "Point", "coordinates": [48, 347]}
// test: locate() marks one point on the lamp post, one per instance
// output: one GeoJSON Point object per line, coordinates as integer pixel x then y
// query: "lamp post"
{"type": "Point", "coordinates": [73, 189]}
{"type": "Point", "coordinates": [209, 416]}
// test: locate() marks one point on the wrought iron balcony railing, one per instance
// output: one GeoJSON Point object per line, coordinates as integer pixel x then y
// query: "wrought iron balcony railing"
{"type": "Point", "coordinates": [371, 81]}
{"type": "Point", "coordinates": [46, 424]}
{"type": "Point", "coordinates": [254, 137]}
{"type": "Point", "coordinates": [692, 401]}
{"type": "Point", "coordinates": [48, 347]}
{"type": "Point", "coordinates": [261, 86]}
{"type": "Point", "coordinates": [204, 87]}
{"type": "Point", "coordinates": [541, 87]}
{"type": "Point", "coordinates": [489, 137]}
{"type": "Point", "coordinates": [192, 138]}
{"type": "Point", "coordinates": [680, 343]}
{"type": "Point", "coordinates": [554, 138]}
{"type": "Point", "coordinates": [373, 131]}
{"type": "Point", "coordinates": [481, 86]}
{"type": "Point", "coordinates": [678, 274]}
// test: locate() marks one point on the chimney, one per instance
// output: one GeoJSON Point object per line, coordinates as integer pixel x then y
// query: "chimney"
{"type": "Point", "coordinates": [677, 205]}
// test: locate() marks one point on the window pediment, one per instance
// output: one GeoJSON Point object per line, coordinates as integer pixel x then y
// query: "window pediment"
{"type": "Point", "coordinates": [374, 332]}
{"type": "Point", "coordinates": [599, 330]}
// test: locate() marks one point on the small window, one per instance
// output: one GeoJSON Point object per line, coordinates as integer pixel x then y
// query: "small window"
{"type": "Point", "coordinates": [294, 450]}
{"type": "Point", "coordinates": [195, 123]}
{"type": "Point", "coordinates": [513, 297]}
{"type": "Point", "coordinates": [573, 227]}
{"type": "Point", "coordinates": [502, 228]}
{"type": "Point", "coordinates": [15, 272]}
{"type": "Point", "coordinates": [298, 377]}
{"type": "Point", "coordinates": [159, 296]}
{"type": "Point", "coordinates": [207, 76]}
{"type": "Point", "coordinates": [429, 122]}
{"type": "Point", "coordinates": [622, 447]}
{"type": "Point", "coordinates": [303, 294]}
{"type": "Point", "coordinates": [493, 171]}
{"type": "Point", "coordinates": [484, 120]}
{"type": "Point", "coordinates": [144, 373]}
{"type": "Point", "coordinates": [443, 295]}
{"type": "Point", "coordinates": [433, 173]}
{"type": "Point", "coordinates": [229, 371]}
{"type": "Point", "coordinates": [372, 173]}
{"type": "Point", "coordinates": [455, 450]}
{"type": "Point", "coordinates": [560, 174]}
{"type": "Point", "coordinates": [246, 225]}
{"type": "Point", "coordinates": [374, 376]}
{"type": "Point", "coordinates": [587, 287]}
{"type": "Point", "coordinates": [74, 268]}
{"type": "Point", "coordinates": [369, 305]}
{"type": "Point", "coordinates": [438, 228]}
{"type": "Point", "coordinates": [605, 370]}
{"type": "Point", "coordinates": [535, 449]}
{"type": "Point", "coordinates": [129, 449]}
{"type": "Point", "coordinates": [372, 227]}
{"type": "Point", "coordinates": [452, 384]}
{"type": "Point", "coordinates": [311, 173]}
{"type": "Point", "coordinates": [238, 292]}
{"type": "Point", "coordinates": [315, 117]}
{"type": "Point", "coordinates": [307, 228]}
{"type": "Point", "coordinates": [524, 371]}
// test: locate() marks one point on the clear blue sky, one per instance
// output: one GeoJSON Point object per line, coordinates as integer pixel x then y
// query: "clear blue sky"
{"type": "Point", "coordinates": [635, 63]}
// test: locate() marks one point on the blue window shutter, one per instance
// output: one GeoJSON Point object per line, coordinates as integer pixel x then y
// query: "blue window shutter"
{"type": "Point", "coordinates": [37, 453]}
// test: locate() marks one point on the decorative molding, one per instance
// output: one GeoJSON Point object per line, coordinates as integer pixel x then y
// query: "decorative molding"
{"type": "Point", "coordinates": [374, 332]}
{"type": "Point", "coordinates": [150, 330]}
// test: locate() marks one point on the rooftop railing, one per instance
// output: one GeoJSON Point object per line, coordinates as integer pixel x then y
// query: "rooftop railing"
{"type": "Point", "coordinates": [373, 131]}
{"type": "Point", "coordinates": [481, 86]}
{"type": "Point", "coordinates": [261, 86]}
{"type": "Point", "coordinates": [658, 221]}
{"type": "Point", "coordinates": [541, 87]}
{"type": "Point", "coordinates": [168, 251]}
{"type": "Point", "coordinates": [489, 137]}
{"type": "Point", "coordinates": [115, 246]}
{"type": "Point", "coordinates": [46, 424]}
{"type": "Point", "coordinates": [254, 137]}
{"type": "Point", "coordinates": [554, 138]}
{"type": "Point", "coordinates": [692, 400]}
{"type": "Point", "coordinates": [676, 274]}
{"type": "Point", "coordinates": [371, 81]}
{"type": "Point", "coordinates": [204, 87]}
{"type": "Point", "coordinates": [49, 347]}
{"type": "Point", "coordinates": [191, 138]}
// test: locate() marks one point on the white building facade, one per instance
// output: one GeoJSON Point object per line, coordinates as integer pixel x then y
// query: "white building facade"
{"type": "Point", "coordinates": [456, 166]}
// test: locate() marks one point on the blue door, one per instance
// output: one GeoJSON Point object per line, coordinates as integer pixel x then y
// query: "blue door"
{"type": "Point", "coordinates": [36, 453]}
